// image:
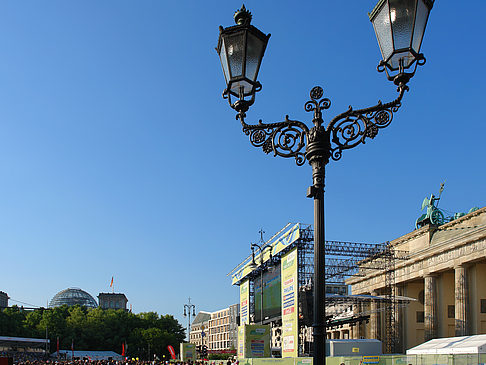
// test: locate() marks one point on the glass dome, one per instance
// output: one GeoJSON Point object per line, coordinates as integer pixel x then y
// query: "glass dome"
{"type": "Point", "coordinates": [73, 296]}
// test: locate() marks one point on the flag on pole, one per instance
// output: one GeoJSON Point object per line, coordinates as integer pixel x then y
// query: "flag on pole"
{"type": "Point", "coordinates": [172, 352]}
{"type": "Point", "coordinates": [57, 346]}
{"type": "Point", "coordinates": [123, 349]}
{"type": "Point", "coordinates": [111, 284]}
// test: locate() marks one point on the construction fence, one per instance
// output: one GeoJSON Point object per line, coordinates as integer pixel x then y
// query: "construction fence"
{"type": "Point", "coordinates": [456, 359]}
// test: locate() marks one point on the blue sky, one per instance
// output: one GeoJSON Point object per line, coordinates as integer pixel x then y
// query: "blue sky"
{"type": "Point", "coordinates": [118, 156]}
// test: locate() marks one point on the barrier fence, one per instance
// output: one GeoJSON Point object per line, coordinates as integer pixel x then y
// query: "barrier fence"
{"type": "Point", "coordinates": [429, 359]}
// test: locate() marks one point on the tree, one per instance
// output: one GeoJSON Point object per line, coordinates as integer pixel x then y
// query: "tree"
{"type": "Point", "coordinates": [96, 329]}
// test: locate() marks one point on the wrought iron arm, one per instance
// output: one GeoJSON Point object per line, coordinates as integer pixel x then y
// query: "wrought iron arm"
{"type": "Point", "coordinates": [284, 139]}
{"type": "Point", "coordinates": [287, 138]}
{"type": "Point", "coordinates": [351, 128]}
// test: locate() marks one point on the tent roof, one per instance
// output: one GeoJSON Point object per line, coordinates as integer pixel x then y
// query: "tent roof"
{"type": "Point", "coordinates": [451, 345]}
{"type": "Point", "coordinates": [22, 341]}
{"type": "Point", "coordinates": [93, 355]}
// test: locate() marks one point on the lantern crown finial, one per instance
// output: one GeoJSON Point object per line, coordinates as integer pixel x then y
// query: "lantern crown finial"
{"type": "Point", "coordinates": [242, 16]}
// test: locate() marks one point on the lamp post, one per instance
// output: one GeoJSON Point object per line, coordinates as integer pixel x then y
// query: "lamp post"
{"type": "Point", "coordinates": [189, 306]}
{"type": "Point", "coordinates": [399, 27]}
{"type": "Point", "coordinates": [253, 264]}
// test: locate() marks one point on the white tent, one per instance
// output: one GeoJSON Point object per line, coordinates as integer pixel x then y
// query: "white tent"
{"type": "Point", "coordinates": [451, 345]}
{"type": "Point", "coordinates": [92, 355]}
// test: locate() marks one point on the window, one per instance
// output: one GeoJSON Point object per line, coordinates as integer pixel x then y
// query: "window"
{"type": "Point", "coordinates": [420, 317]}
{"type": "Point", "coordinates": [451, 311]}
{"type": "Point", "coordinates": [483, 305]}
{"type": "Point", "coordinates": [421, 297]}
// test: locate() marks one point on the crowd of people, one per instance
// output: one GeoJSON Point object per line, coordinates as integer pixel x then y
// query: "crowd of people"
{"type": "Point", "coordinates": [28, 358]}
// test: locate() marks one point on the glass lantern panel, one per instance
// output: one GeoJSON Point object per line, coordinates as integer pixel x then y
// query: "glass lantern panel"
{"type": "Point", "coordinates": [402, 14]}
{"type": "Point", "coordinates": [420, 23]}
{"type": "Point", "coordinates": [254, 55]}
{"type": "Point", "coordinates": [247, 87]}
{"type": "Point", "coordinates": [407, 57]}
{"type": "Point", "coordinates": [382, 27]}
{"type": "Point", "coordinates": [224, 61]}
{"type": "Point", "coordinates": [235, 49]}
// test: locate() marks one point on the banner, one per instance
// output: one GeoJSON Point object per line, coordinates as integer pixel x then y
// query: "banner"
{"type": "Point", "coordinates": [188, 351]}
{"type": "Point", "coordinates": [279, 242]}
{"type": "Point", "coordinates": [286, 239]}
{"type": "Point", "coordinates": [241, 342]}
{"type": "Point", "coordinates": [244, 302]}
{"type": "Point", "coordinates": [254, 341]}
{"type": "Point", "coordinates": [290, 312]}
{"type": "Point", "coordinates": [172, 352]}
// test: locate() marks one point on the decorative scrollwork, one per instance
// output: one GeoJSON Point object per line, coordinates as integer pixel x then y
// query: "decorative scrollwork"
{"type": "Point", "coordinates": [317, 105]}
{"type": "Point", "coordinates": [353, 127]}
{"type": "Point", "coordinates": [316, 92]}
{"type": "Point", "coordinates": [284, 139]}
{"type": "Point", "coordinates": [347, 130]}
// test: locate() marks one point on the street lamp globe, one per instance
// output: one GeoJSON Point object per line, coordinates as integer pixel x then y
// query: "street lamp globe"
{"type": "Point", "coordinates": [399, 27]}
{"type": "Point", "coordinates": [240, 49]}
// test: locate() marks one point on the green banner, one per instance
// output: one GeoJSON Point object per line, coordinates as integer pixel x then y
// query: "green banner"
{"type": "Point", "coordinates": [290, 290]}
{"type": "Point", "coordinates": [244, 302]}
{"type": "Point", "coordinates": [188, 351]}
{"type": "Point", "coordinates": [254, 341]}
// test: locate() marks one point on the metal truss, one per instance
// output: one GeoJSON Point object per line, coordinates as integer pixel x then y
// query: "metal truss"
{"type": "Point", "coordinates": [345, 259]}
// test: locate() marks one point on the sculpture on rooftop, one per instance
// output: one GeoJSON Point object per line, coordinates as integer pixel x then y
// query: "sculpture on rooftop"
{"type": "Point", "coordinates": [434, 215]}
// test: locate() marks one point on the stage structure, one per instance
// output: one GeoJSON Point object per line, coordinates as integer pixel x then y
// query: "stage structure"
{"type": "Point", "coordinates": [276, 289]}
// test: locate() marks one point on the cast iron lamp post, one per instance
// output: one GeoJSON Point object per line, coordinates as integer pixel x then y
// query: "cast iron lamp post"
{"type": "Point", "coordinates": [189, 306]}
{"type": "Point", "coordinates": [399, 26]}
{"type": "Point", "coordinates": [253, 264]}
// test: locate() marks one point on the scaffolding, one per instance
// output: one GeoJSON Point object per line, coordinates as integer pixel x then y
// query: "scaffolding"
{"type": "Point", "coordinates": [343, 260]}
{"type": "Point", "coordinates": [346, 259]}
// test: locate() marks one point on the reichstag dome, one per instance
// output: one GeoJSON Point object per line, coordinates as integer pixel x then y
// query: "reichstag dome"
{"type": "Point", "coordinates": [73, 296]}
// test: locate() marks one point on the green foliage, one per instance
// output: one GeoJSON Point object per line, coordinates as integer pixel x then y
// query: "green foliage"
{"type": "Point", "coordinates": [145, 334]}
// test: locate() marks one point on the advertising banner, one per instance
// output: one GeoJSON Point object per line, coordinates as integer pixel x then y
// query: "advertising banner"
{"type": "Point", "coordinates": [290, 309]}
{"type": "Point", "coordinates": [241, 341]}
{"type": "Point", "coordinates": [278, 243]}
{"type": "Point", "coordinates": [287, 238]}
{"type": "Point", "coordinates": [188, 351]}
{"type": "Point", "coordinates": [244, 302]}
{"type": "Point", "coordinates": [240, 274]}
{"type": "Point", "coordinates": [254, 340]}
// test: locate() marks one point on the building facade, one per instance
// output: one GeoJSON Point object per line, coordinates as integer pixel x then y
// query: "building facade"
{"type": "Point", "coordinates": [199, 329]}
{"type": "Point", "coordinates": [217, 330]}
{"type": "Point", "coordinates": [444, 272]}
{"type": "Point", "coordinates": [3, 300]}
{"type": "Point", "coordinates": [112, 301]}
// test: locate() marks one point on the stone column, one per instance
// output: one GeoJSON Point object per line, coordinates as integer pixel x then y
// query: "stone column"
{"type": "Point", "coordinates": [430, 307]}
{"type": "Point", "coordinates": [399, 341]}
{"type": "Point", "coordinates": [375, 318]}
{"type": "Point", "coordinates": [460, 300]}
{"type": "Point", "coordinates": [356, 328]}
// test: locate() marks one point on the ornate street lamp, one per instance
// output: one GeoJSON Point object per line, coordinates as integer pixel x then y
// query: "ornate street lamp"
{"type": "Point", "coordinates": [241, 48]}
{"type": "Point", "coordinates": [399, 26]}
{"type": "Point", "coordinates": [189, 306]}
